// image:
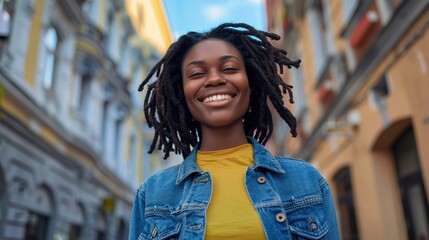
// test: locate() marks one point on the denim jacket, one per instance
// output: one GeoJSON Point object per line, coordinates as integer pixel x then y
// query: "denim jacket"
{"type": "Point", "coordinates": [291, 197]}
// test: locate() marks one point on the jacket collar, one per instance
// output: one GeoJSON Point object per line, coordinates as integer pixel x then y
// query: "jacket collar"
{"type": "Point", "coordinates": [261, 156]}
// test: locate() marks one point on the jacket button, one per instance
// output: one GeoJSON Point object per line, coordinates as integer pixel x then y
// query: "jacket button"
{"type": "Point", "coordinates": [154, 231]}
{"type": "Point", "coordinates": [261, 180]}
{"type": "Point", "coordinates": [313, 226]}
{"type": "Point", "coordinates": [280, 217]}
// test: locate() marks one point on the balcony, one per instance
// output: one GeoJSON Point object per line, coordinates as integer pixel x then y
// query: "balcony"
{"type": "Point", "coordinates": [90, 40]}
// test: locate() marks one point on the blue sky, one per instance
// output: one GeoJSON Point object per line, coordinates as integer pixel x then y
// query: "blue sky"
{"type": "Point", "coordinates": [202, 15]}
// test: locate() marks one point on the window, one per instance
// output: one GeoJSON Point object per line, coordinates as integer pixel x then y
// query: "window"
{"type": "Point", "coordinates": [348, 226]}
{"type": "Point", "coordinates": [77, 223]}
{"type": "Point", "coordinates": [414, 198]}
{"type": "Point", "coordinates": [7, 9]}
{"type": "Point", "coordinates": [51, 42]}
{"type": "Point", "coordinates": [111, 34]}
{"type": "Point", "coordinates": [365, 30]}
{"type": "Point", "coordinates": [381, 89]}
{"type": "Point", "coordinates": [101, 235]}
{"type": "Point", "coordinates": [132, 158]}
{"type": "Point", "coordinates": [84, 95]}
{"type": "Point", "coordinates": [36, 227]}
{"type": "Point", "coordinates": [117, 136]}
{"type": "Point", "coordinates": [323, 43]}
{"type": "Point", "coordinates": [378, 98]}
{"type": "Point", "coordinates": [75, 232]}
{"type": "Point", "coordinates": [39, 223]}
{"type": "Point", "coordinates": [135, 82]}
{"type": "Point", "coordinates": [147, 169]}
{"type": "Point", "coordinates": [101, 227]}
{"type": "Point", "coordinates": [125, 63]}
{"type": "Point", "coordinates": [104, 122]}
{"type": "Point", "coordinates": [122, 233]}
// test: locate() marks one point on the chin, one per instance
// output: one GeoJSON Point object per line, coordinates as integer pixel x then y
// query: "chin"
{"type": "Point", "coordinates": [221, 121]}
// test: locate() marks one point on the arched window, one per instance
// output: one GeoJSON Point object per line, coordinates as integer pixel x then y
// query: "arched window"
{"type": "Point", "coordinates": [51, 42]}
{"type": "Point", "coordinates": [76, 230]}
{"type": "Point", "coordinates": [39, 220]}
{"type": "Point", "coordinates": [101, 226]}
{"type": "Point", "coordinates": [343, 183]}
{"type": "Point", "coordinates": [414, 198]}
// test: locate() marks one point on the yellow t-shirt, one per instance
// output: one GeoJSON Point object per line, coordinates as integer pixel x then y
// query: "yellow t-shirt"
{"type": "Point", "coordinates": [230, 214]}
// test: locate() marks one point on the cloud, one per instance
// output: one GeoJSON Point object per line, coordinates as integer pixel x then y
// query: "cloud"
{"type": "Point", "coordinates": [215, 12]}
{"type": "Point", "coordinates": [256, 2]}
{"type": "Point", "coordinates": [176, 35]}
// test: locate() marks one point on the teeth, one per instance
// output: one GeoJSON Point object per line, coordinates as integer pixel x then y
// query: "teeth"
{"type": "Point", "coordinates": [216, 98]}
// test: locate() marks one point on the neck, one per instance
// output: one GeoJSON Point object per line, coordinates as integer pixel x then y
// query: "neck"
{"type": "Point", "coordinates": [222, 138]}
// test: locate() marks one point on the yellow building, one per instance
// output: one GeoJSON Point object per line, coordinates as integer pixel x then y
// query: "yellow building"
{"type": "Point", "coordinates": [150, 20]}
{"type": "Point", "coordinates": [362, 110]}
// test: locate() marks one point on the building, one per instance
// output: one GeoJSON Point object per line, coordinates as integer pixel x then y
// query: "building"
{"type": "Point", "coordinates": [71, 128]}
{"type": "Point", "coordinates": [150, 21]}
{"type": "Point", "coordinates": [361, 108]}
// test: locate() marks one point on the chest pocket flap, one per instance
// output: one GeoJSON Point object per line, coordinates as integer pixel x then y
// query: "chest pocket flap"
{"type": "Point", "coordinates": [157, 228]}
{"type": "Point", "coordinates": [308, 221]}
{"type": "Point", "coordinates": [309, 228]}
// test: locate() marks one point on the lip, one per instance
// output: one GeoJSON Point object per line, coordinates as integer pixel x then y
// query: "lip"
{"type": "Point", "coordinates": [232, 94]}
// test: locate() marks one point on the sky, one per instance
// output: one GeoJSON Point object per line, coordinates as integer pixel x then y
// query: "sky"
{"type": "Point", "coordinates": [202, 15]}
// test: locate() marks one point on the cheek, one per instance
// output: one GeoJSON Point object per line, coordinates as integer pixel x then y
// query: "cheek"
{"type": "Point", "coordinates": [246, 88]}
{"type": "Point", "coordinates": [189, 91]}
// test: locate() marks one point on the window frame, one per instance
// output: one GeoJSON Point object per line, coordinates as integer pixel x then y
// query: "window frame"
{"type": "Point", "coordinates": [51, 57]}
{"type": "Point", "coordinates": [345, 199]}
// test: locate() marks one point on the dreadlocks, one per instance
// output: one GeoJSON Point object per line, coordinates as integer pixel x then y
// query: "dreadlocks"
{"type": "Point", "coordinates": [165, 105]}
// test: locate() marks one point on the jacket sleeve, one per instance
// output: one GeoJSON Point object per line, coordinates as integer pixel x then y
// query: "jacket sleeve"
{"type": "Point", "coordinates": [137, 214]}
{"type": "Point", "coordinates": [329, 208]}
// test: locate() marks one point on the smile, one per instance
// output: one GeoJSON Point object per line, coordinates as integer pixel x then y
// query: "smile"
{"type": "Point", "coordinates": [216, 98]}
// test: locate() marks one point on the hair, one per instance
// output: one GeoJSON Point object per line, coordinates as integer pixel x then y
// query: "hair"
{"type": "Point", "coordinates": [165, 106]}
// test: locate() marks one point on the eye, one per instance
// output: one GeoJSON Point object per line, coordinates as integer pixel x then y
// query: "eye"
{"type": "Point", "coordinates": [230, 70]}
{"type": "Point", "coordinates": [196, 74]}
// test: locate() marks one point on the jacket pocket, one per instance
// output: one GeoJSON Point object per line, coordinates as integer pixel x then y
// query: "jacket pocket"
{"type": "Point", "coordinates": [307, 221]}
{"type": "Point", "coordinates": [160, 227]}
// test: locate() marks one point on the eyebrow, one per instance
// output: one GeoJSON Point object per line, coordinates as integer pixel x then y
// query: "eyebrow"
{"type": "Point", "coordinates": [222, 58]}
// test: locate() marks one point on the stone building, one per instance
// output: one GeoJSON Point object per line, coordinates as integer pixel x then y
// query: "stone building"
{"type": "Point", "coordinates": [72, 138]}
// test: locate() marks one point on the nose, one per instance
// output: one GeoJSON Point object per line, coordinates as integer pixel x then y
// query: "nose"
{"type": "Point", "coordinates": [214, 78]}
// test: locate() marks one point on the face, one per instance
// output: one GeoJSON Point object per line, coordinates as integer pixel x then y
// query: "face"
{"type": "Point", "coordinates": [215, 83]}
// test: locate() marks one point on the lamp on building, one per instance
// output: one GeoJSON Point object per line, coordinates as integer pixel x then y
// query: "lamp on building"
{"type": "Point", "coordinates": [109, 204]}
{"type": "Point", "coordinates": [346, 127]}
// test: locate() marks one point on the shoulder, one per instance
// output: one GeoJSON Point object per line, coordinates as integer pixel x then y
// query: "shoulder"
{"type": "Point", "coordinates": [160, 179]}
{"type": "Point", "coordinates": [299, 169]}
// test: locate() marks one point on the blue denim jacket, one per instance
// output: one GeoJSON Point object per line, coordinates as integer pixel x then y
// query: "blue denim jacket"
{"type": "Point", "coordinates": [292, 199]}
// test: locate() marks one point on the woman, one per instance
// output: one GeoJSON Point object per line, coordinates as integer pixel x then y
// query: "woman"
{"type": "Point", "coordinates": [211, 95]}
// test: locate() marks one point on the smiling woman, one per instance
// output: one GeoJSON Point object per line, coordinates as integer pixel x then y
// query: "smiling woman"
{"type": "Point", "coordinates": [211, 97]}
{"type": "Point", "coordinates": [217, 92]}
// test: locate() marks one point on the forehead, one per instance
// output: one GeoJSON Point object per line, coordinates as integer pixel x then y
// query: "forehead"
{"type": "Point", "coordinates": [211, 48]}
